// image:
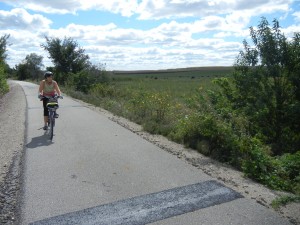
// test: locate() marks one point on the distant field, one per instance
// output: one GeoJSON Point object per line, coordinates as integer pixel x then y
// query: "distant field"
{"type": "Point", "coordinates": [178, 83]}
{"type": "Point", "coordinates": [192, 73]}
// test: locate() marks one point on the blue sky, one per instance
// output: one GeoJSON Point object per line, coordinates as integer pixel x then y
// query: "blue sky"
{"type": "Point", "coordinates": [142, 34]}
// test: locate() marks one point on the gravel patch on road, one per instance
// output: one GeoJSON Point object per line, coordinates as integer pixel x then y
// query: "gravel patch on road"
{"type": "Point", "coordinates": [12, 130]}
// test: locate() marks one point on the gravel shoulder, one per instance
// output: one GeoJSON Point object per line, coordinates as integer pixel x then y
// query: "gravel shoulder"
{"type": "Point", "coordinates": [12, 133]}
{"type": "Point", "coordinates": [12, 136]}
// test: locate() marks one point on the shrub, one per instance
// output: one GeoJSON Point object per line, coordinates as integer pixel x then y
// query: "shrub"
{"type": "Point", "coordinates": [151, 105]}
{"type": "Point", "coordinates": [290, 164]}
{"type": "Point", "coordinates": [281, 173]}
{"type": "Point", "coordinates": [3, 83]}
{"type": "Point", "coordinates": [102, 90]}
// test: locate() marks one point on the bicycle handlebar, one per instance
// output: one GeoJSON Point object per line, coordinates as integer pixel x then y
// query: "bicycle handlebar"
{"type": "Point", "coordinates": [55, 97]}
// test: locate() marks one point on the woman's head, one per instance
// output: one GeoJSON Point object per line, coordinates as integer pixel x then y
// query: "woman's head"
{"type": "Point", "coordinates": [48, 74]}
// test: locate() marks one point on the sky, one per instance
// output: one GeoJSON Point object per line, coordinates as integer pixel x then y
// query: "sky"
{"type": "Point", "coordinates": [142, 34]}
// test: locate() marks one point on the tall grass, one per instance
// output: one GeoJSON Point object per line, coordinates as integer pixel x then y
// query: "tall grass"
{"type": "Point", "coordinates": [155, 100]}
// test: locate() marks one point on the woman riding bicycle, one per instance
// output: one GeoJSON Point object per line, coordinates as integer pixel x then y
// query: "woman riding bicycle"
{"type": "Point", "coordinates": [48, 88]}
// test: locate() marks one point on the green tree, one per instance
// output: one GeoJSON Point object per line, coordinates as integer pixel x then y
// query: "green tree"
{"type": "Point", "coordinates": [22, 71]}
{"type": "Point", "coordinates": [35, 65]}
{"type": "Point", "coordinates": [3, 45]}
{"type": "Point", "coordinates": [266, 87]}
{"type": "Point", "coordinates": [87, 78]}
{"type": "Point", "coordinates": [67, 56]}
{"type": "Point", "coordinates": [30, 67]}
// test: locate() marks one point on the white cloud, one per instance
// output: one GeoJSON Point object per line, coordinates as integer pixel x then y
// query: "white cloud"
{"type": "Point", "coordinates": [291, 30]}
{"type": "Point", "coordinates": [149, 9]}
{"type": "Point", "coordinates": [53, 6]}
{"type": "Point", "coordinates": [124, 7]}
{"type": "Point", "coordinates": [21, 19]}
{"type": "Point", "coordinates": [155, 9]}
{"type": "Point", "coordinates": [297, 16]}
{"type": "Point", "coordinates": [21, 44]}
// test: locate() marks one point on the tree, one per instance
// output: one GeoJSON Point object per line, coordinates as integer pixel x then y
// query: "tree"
{"type": "Point", "coordinates": [22, 72]}
{"type": "Point", "coordinates": [66, 55]}
{"type": "Point", "coordinates": [3, 45]}
{"type": "Point", "coordinates": [87, 78]}
{"type": "Point", "coordinates": [266, 87]}
{"type": "Point", "coordinates": [35, 65]}
{"type": "Point", "coordinates": [30, 67]}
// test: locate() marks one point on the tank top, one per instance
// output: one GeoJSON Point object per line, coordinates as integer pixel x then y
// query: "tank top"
{"type": "Point", "coordinates": [49, 89]}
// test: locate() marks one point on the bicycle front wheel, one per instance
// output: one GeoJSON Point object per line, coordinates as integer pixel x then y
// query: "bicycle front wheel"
{"type": "Point", "coordinates": [51, 126]}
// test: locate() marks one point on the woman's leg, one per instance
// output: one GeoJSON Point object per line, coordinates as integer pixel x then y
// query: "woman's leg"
{"type": "Point", "coordinates": [46, 113]}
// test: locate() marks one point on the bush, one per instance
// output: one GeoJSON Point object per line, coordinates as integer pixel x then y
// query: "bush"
{"type": "Point", "coordinates": [145, 104]}
{"type": "Point", "coordinates": [3, 83]}
{"type": "Point", "coordinates": [281, 173]}
{"type": "Point", "coordinates": [290, 164]}
{"type": "Point", "coordinates": [102, 90]}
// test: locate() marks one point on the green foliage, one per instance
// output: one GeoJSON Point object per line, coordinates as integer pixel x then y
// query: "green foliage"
{"type": "Point", "coordinates": [87, 80]}
{"type": "Point", "coordinates": [30, 68]}
{"type": "Point", "coordinates": [290, 164]}
{"type": "Point", "coordinates": [284, 200]}
{"type": "Point", "coordinates": [260, 166]}
{"type": "Point", "coordinates": [145, 104]}
{"type": "Point", "coordinates": [102, 90]}
{"type": "Point", "coordinates": [3, 46]}
{"type": "Point", "coordinates": [66, 55]}
{"type": "Point", "coordinates": [81, 81]}
{"type": "Point", "coordinates": [3, 83]}
{"type": "Point", "coordinates": [264, 87]}
{"type": "Point", "coordinates": [22, 72]}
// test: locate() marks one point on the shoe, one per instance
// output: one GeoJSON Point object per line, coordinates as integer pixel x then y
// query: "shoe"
{"type": "Point", "coordinates": [45, 127]}
{"type": "Point", "coordinates": [56, 115]}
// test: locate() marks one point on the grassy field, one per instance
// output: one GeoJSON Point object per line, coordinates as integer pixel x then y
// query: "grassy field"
{"type": "Point", "coordinates": [142, 95]}
{"type": "Point", "coordinates": [186, 73]}
{"type": "Point", "coordinates": [154, 99]}
{"type": "Point", "coordinates": [175, 82]}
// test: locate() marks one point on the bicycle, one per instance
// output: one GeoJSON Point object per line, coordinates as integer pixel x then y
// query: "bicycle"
{"type": "Point", "coordinates": [52, 106]}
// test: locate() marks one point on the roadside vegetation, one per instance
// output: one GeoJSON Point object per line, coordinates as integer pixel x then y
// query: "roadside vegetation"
{"type": "Point", "coordinates": [3, 66]}
{"type": "Point", "coordinates": [247, 116]}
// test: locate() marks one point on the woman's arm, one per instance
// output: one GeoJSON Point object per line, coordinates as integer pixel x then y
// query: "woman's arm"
{"type": "Point", "coordinates": [57, 88]}
{"type": "Point", "coordinates": [41, 88]}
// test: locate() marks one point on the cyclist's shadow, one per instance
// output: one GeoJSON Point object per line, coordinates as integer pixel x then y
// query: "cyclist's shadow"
{"type": "Point", "coordinates": [42, 140]}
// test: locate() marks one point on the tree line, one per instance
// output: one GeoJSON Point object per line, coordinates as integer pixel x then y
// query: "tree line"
{"type": "Point", "coordinates": [72, 66]}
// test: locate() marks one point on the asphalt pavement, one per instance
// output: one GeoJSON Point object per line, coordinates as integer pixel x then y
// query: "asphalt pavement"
{"type": "Point", "coordinates": [95, 171]}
